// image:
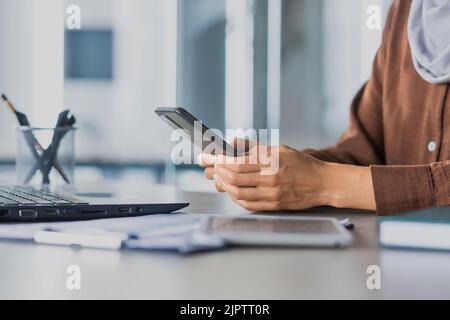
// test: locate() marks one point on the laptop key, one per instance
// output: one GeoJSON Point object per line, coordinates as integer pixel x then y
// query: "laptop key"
{"type": "Point", "coordinates": [7, 202]}
{"type": "Point", "coordinates": [39, 200]}
{"type": "Point", "coordinates": [30, 196]}
{"type": "Point", "coordinates": [60, 201]}
{"type": "Point", "coordinates": [73, 200]}
{"type": "Point", "coordinates": [36, 200]}
{"type": "Point", "coordinates": [20, 200]}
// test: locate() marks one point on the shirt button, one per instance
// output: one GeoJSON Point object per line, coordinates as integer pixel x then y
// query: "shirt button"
{"type": "Point", "coordinates": [432, 146]}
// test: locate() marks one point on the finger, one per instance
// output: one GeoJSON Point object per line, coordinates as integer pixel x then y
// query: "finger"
{"type": "Point", "coordinates": [219, 188]}
{"type": "Point", "coordinates": [244, 164]}
{"type": "Point", "coordinates": [206, 160]}
{"type": "Point", "coordinates": [244, 193]}
{"type": "Point", "coordinates": [209, 173]}
{"type": "Point", "coordinates": [230, 177]}
{"type": "Point", "coordinates": [267, 158]}
{"type": "Point", "coordinates": [256, 155]}
{"type": "Point", "coordinates": [258, 206]}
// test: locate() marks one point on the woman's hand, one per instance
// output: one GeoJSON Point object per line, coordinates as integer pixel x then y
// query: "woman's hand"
{"type": "Point", "coordinates": [295, 184]}
{"type": "Point", "coordinates": [298, 181]}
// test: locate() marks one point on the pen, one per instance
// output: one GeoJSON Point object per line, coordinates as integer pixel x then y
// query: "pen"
{"type": "Point", "coordinates": [48, 158]}
{"type": "Point", "coordinates": [23, 121]}
{"type": "Point", "coordinates": [21, 118]}
{"type": "Point", "coordinates": [31, 140]}
{"type": "Point", "coordinates": [347, 224]}
{"type": "Point", "coordinates": [88, 238]}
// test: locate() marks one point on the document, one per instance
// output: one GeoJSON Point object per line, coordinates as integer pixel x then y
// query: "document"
{"type": "Point", "coordinates": [170, 232]}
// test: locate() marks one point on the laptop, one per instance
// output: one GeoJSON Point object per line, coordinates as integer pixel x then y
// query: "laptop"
{"type": "Point", "coordinates": [30, 204]}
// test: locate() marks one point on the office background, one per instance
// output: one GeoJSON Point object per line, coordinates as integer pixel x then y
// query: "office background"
{"type": "Point", "coordinates": [288, 64]}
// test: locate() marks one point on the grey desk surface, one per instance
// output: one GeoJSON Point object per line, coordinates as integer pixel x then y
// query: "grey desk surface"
{"type": "Point", "coordinates": [39, 271]}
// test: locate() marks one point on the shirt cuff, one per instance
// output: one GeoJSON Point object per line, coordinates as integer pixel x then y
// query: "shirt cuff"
{"type": "Point", "coordinates": [440, 171]}
{"type": "Point", "coordinates": [402, 188]}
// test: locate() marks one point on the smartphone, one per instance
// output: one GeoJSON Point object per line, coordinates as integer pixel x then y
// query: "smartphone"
{"type": "Point", "coordinates": [179, 118]}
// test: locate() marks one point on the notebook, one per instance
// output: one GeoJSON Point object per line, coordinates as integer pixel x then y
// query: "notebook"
{"type": "Point", "coordinates": [424, 229]}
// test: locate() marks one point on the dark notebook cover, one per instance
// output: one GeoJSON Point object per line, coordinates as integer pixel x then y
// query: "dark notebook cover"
{"type": "Point", "coordinates": [435, 215]}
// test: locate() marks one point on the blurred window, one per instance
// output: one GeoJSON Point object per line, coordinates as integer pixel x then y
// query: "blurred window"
{"type": "Point", "coordinates": [89, 54]}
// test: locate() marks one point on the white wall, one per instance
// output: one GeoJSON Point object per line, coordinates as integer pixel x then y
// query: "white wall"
{"type": "Point", "coordinates": [47, 65]}
{"type": "Point", "coordinates": [349, 48]}
{"type": "Point", "coordinates": [239, 65]}
{"type": "Point", "coordinates": [90, 100]}
{"type": "Point", "coordinates": [30, 63]}
{"type": "Point", "coordinates": [146, 51]}
{"type": "Point", "coordinates": [13, 68]}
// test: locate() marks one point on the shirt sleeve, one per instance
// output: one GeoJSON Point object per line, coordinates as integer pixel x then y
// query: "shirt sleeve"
{"type": "Point", "coordinates": [405, 188]}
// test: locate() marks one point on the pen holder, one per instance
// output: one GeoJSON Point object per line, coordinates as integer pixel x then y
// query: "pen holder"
{"type": "Point", "coordinates": [45, 156]}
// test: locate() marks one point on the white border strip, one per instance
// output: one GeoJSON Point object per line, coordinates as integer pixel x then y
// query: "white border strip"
{"type": "Point", "coordinates": [47, 61]}
{"type": "Point", "coordinates": [274, 64]}
{"type": "Point", "coordinates": [239, 64]}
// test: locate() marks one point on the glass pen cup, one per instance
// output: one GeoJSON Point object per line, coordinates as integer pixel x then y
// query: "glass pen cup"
{"type": "Point", "coordinates": [45, 156]}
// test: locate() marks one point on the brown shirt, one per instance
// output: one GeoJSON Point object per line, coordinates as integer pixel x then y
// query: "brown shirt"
{"type": "Point", "coordinates": [400, 126]}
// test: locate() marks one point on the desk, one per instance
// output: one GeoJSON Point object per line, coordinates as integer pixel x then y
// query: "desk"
{"type": "Point", "coordinates": [39, 272]}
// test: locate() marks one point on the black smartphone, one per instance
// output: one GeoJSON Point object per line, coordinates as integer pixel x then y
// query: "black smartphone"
{"type": "Point", "coordinates": [199, 133]}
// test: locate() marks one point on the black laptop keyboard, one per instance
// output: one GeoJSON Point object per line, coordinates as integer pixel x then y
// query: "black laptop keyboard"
{"type": "Point", "coordinates": [27, 196]}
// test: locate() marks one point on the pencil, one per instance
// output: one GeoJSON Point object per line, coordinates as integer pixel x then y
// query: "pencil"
{"type": "Point", "coordinates": [21, 118]}
{"type": "Point", "coordinates": [8, 103]}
